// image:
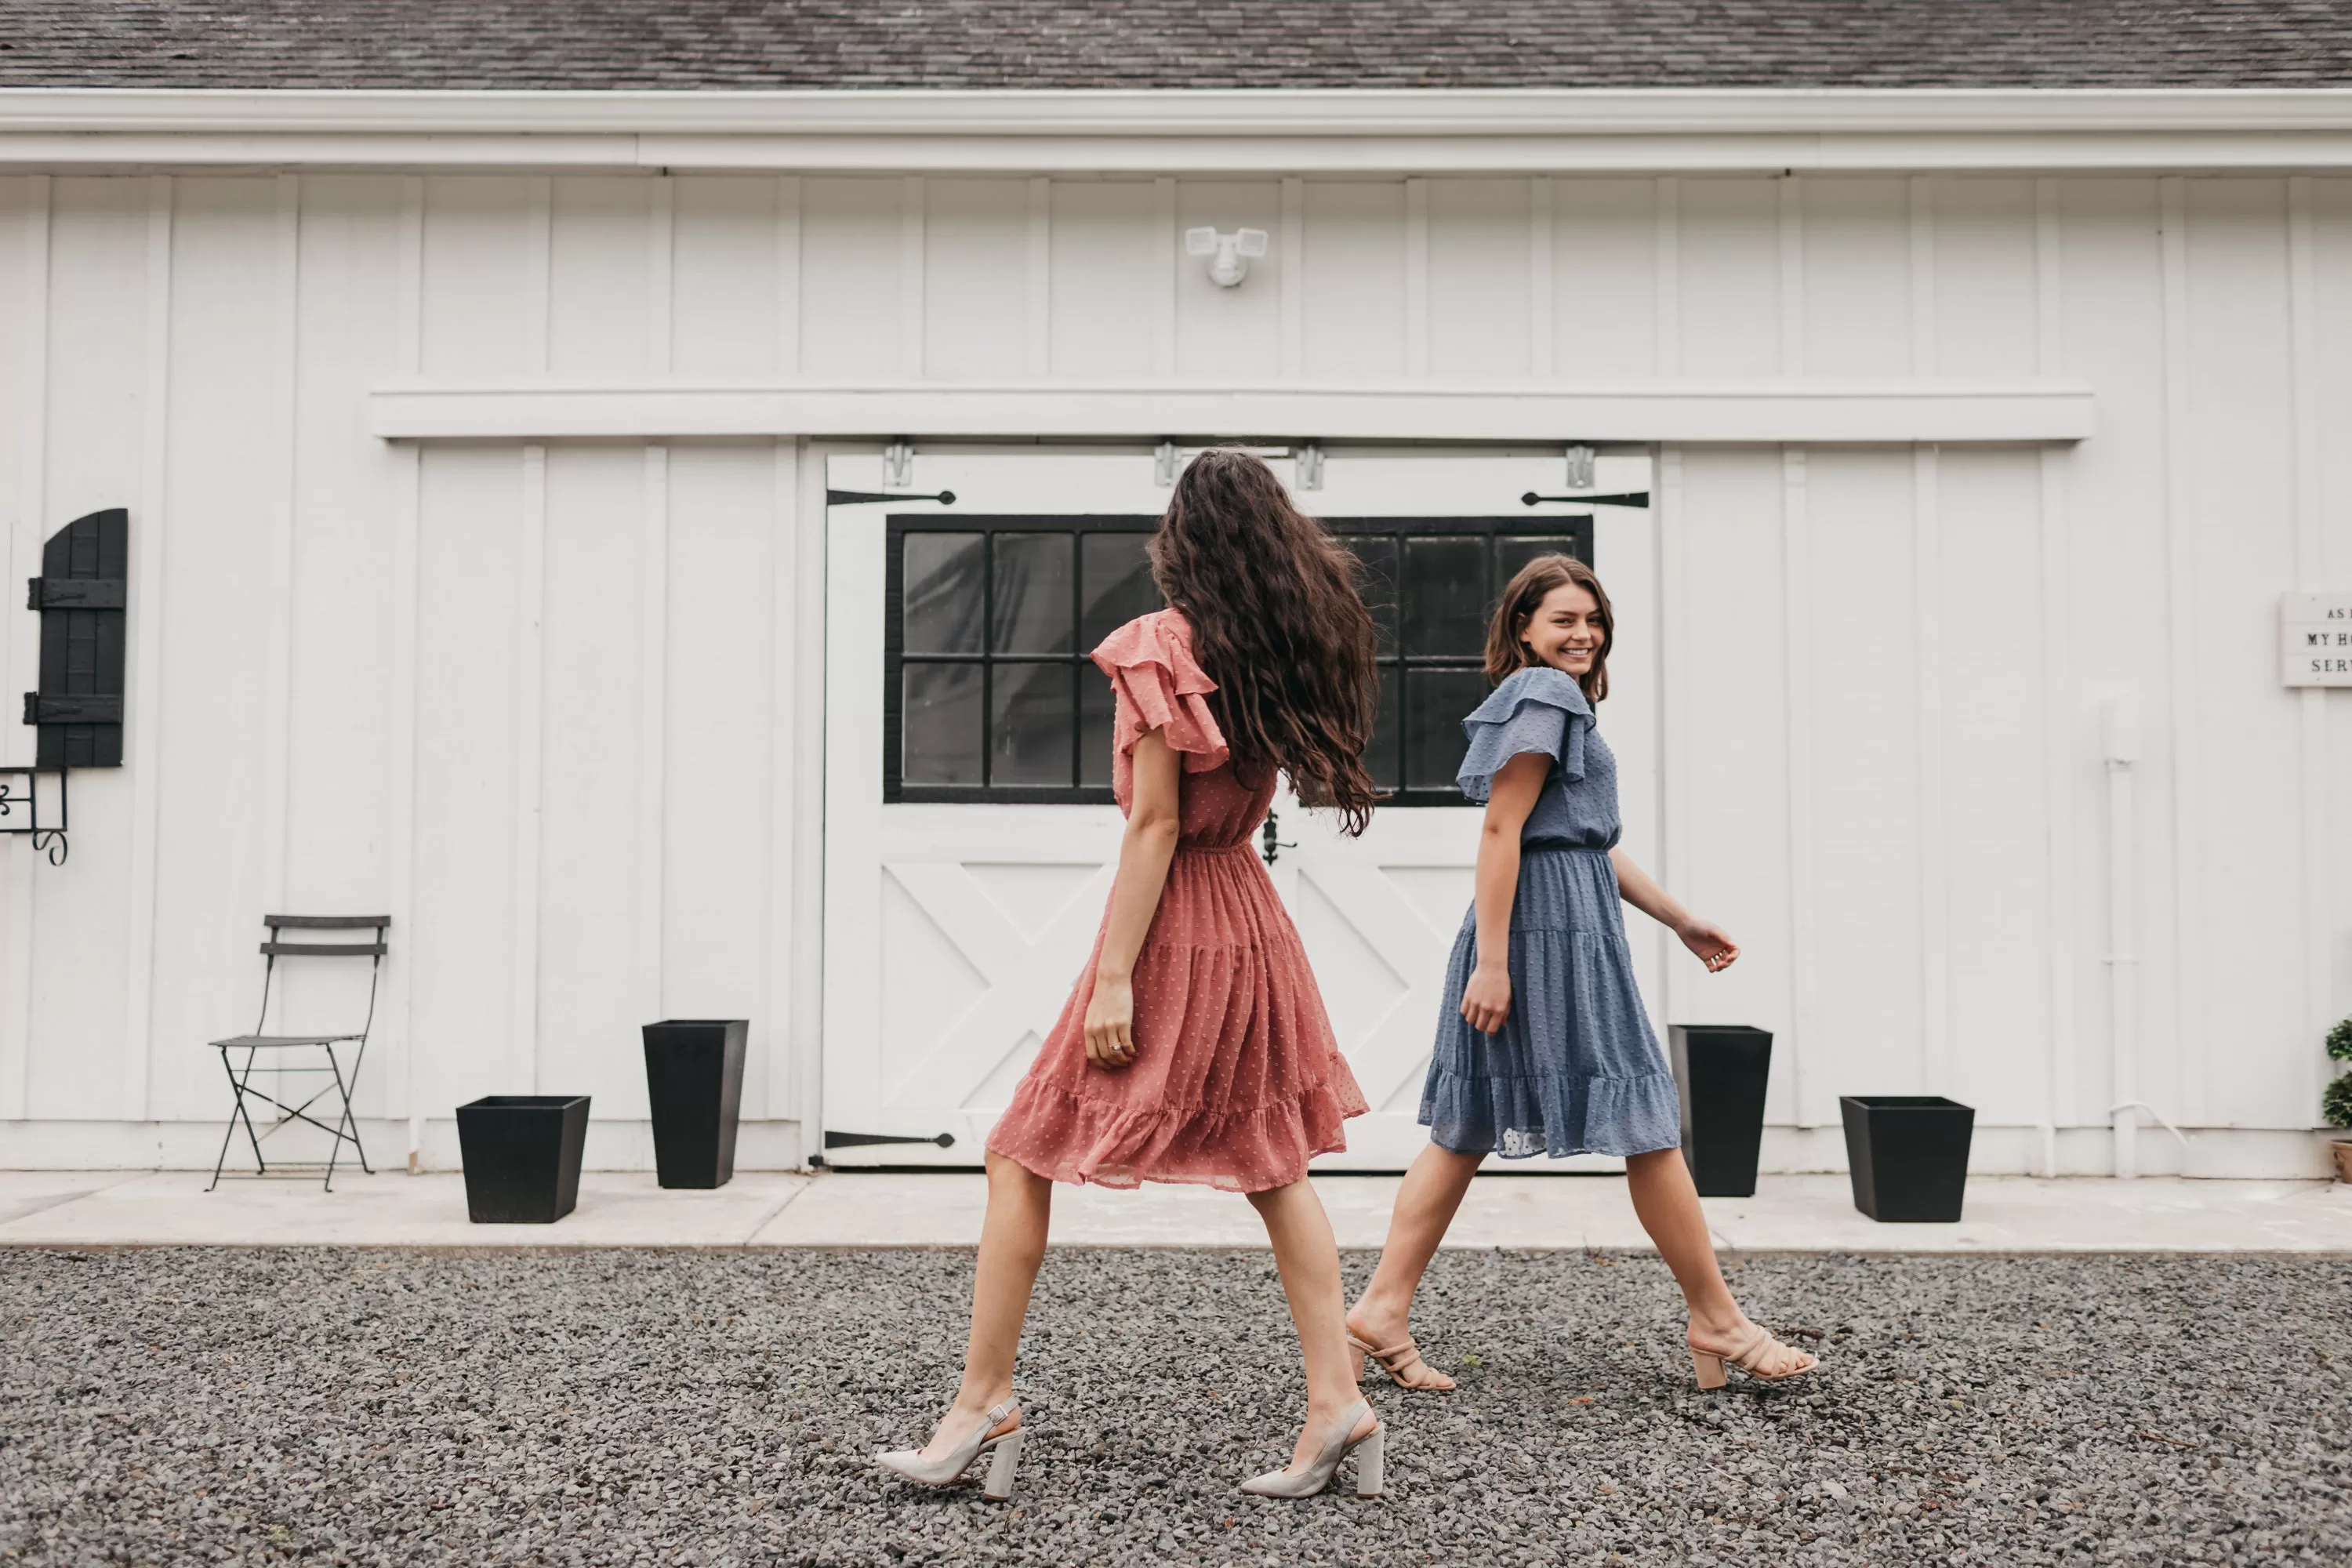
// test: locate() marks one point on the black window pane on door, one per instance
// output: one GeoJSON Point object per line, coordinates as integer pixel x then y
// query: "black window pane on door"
{"type": "Point", "coordinates": [1444, 596]}
{"type": "Point", "coordinates": [1515, 551]}
{"type": "Point", "coordinates": [1032, 581]}
{"type": "Point", "coordinates": [1381, 756]}
{"type": "Point", "coordinates": [1114, 584]}
{"type": "Point", "coordinates": [941, 600]}
{"type": "Point", "coordinates": [1029, 725]}
{"type": "Point", "coordinates": [1096, 707]}
{"type": "Point", "coordinates": [997, 617]}
{"type": "Point", "coordinates": [1376, 553]}
{"type": "Point", "coordinates": [940, 740]}
{"type": "Point", "coordinates": [1435, 703]}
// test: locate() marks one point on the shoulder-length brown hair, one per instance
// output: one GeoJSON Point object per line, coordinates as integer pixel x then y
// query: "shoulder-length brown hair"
{"type": "Point", "coordinates": [1506, 649]}
{"type": "Point", "coordinates": [1278, 624]}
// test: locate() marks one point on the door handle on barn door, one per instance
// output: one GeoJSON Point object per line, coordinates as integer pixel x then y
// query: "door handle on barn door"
{"type": "Point", "coordinates": [1269, 845]}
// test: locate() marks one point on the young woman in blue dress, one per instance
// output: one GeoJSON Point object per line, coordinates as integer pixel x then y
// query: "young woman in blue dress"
{"type": "Point", "coordinates": [1543, 1046]}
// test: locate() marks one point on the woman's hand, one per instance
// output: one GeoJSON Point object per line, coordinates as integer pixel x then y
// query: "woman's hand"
{"type": "Point", "coordinates": [1711, 942]}
{"type": "Point", "coordinates": [1110, 1023]}
{"type": "Point", "coordinates": [1486, 1000]}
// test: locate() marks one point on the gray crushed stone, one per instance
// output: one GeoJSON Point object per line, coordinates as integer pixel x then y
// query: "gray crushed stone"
{"type": "Point", "coordinates": [716, 1408]}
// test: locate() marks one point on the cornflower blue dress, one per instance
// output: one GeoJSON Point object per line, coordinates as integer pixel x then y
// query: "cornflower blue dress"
{"type": "Point", "coordinates": [1575, 1068]}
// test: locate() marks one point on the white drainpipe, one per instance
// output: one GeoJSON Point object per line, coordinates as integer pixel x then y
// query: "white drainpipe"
{"type": "Point", "coordinates": [2121, 747]}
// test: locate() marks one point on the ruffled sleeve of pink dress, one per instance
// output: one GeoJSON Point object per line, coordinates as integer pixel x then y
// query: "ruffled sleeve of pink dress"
{"type": "Point", "coordinates": [1237, 1080]}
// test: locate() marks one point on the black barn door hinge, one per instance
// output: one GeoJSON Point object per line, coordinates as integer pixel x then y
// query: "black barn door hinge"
{"type": "Point", "coordinates": [866, 1139]}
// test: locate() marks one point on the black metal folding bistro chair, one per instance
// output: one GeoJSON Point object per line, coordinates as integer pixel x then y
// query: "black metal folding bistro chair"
{"type": "Point", "coordinates": [340, 1080]}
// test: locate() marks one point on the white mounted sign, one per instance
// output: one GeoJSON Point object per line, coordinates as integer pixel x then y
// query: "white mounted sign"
{"type": "Point", "coordinates": [2316, 639]}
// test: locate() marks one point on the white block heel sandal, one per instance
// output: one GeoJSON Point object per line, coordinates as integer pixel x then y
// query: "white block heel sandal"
{"type": "Point", "coordinates": [1369, 1448]}
{"type": "Point", "coordinates": [1000, 1442]}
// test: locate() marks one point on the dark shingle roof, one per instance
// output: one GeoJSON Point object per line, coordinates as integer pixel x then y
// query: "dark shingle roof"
{"type": "Point", "coordinates": [1038, 44]}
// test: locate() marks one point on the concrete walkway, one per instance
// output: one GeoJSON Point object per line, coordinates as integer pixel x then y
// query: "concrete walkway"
{"type": "Point", "coordinates": [1789, 1213]}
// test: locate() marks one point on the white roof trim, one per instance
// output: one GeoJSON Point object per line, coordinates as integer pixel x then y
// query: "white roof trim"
{"type": "Point", "coordinates": [1813, 412]}
{"type": "Point", "coordinates": [1300, 131]}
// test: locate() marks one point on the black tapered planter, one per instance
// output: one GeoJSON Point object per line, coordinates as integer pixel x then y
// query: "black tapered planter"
{"type": "Point", "coordinates": [694, 1074]}
{"type": "Point", "coordinates": [1720, 1071]}
{"type": "Point", "coordinates": [1909, 1155]}
{"type": "Point", "coordinates": [522, 1156]}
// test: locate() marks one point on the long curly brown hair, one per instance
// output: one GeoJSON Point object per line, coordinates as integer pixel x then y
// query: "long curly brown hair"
{"type": "Point", "coordinates": [1279, 624]}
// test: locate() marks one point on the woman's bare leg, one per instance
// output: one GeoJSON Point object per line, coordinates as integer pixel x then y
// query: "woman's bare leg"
{"type": "Point", "coordinates": [1308, 1257]}
{"type": "Point", "coordinates": [1668, 1204]}
{"type": "Point", "coordinates": [1011, 1246]}
{"type": "Point", "coordinates": [1425, 1205]}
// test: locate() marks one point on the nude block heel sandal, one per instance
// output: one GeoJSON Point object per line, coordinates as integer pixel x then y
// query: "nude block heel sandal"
{"type": "Point", "coordinates": [1371, 1464]}
{"type": "Point", "coordinates": [1709, 1367]}
{"type": "Point", "coordinates": [1339, 1442]}
{"type": "Point", "coordinates": [1007, 1460]}
{"type": "Point", "coordinates": [1398, 1361]}
{"type": "Point", "coordinates": [1003, 1448]}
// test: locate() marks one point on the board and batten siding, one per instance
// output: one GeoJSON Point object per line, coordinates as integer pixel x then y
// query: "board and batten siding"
{"type": "Point", "coordinates": [553, 705]}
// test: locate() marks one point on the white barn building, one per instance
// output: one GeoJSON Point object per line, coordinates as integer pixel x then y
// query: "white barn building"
{"type": "Point", "coordinates": [532, 429]}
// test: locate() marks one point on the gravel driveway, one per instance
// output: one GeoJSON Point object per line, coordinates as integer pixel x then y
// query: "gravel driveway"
{"type": "Point", "coordinates": [638, 1407]}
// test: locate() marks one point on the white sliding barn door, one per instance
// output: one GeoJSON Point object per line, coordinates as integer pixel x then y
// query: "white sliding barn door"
{"type": "Point", "coordinates": [1378, 913]}
{"type": "Point", "coordinates": [955, 927]}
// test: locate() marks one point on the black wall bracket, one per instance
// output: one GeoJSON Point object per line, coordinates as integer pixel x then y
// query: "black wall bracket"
{"type": "Point", "coordinates": [20, 810]}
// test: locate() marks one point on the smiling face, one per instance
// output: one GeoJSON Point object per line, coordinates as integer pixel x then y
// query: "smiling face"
{"type": "Point", "coordinates": [1568, 631]}
{"type": "Point", "coordinates": [1554, 612]}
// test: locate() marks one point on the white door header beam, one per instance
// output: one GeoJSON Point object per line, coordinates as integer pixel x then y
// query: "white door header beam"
{"type": "Point", "coordinates": [1810, 411]}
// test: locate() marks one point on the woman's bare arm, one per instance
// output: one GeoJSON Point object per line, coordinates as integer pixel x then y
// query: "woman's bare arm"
{"type": "Point", "coordinates": [1486, 999]}
{"type": "Point", "coordinates": [1709, 941]}
{"type": "Point", "coordinates": [1144, 852]}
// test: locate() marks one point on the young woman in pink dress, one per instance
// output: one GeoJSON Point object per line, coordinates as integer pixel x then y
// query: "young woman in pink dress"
{"type": "Point", "coordinates": [1195, 1046]}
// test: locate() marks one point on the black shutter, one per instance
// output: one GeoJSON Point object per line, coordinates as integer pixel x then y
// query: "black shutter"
{"type": "Point", "coordinates": [80, 593]}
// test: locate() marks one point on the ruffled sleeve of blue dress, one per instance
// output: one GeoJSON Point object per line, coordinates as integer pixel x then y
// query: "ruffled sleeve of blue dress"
{"type": "Point", "coordinates": [1537, 709]}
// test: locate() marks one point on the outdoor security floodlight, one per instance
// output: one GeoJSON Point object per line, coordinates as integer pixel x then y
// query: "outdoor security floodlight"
{"type": "Point", "coordinates": [1229, 254]}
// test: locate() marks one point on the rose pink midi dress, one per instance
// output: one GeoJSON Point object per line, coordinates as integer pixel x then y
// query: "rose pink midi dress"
{"type": "Point", "coordinates": [1237, 1080]}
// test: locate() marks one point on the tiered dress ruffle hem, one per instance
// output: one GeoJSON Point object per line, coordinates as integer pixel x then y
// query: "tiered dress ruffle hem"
{"type": "Point", "coordinates": [1237, 1080]}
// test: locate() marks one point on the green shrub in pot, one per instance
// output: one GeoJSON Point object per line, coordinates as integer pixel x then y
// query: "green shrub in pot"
{"type": "Point", "coordinates": [2336, 1101]}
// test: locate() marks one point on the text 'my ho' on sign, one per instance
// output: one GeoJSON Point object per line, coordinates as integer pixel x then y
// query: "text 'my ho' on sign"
{"type": "Point", "coordinates": [2316, 639]}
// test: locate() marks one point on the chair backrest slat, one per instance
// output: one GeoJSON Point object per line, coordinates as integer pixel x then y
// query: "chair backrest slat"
{"type": "Point", "coordinates": [324, 922]}
{"type": "Point", "coordinates": [323, 948]}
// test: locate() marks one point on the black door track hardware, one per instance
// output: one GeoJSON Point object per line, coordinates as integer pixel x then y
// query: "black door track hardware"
{"type": "Point", "coordinates": [870, 498]}
{"type": "Point", "coordinates": [1624, 498]}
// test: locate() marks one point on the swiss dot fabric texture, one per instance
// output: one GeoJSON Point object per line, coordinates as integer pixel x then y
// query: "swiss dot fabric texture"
{"type": "Point", "coordinates": [1237, 1079]}
{"type": "Point", "coordinates": [1575, 1068]}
